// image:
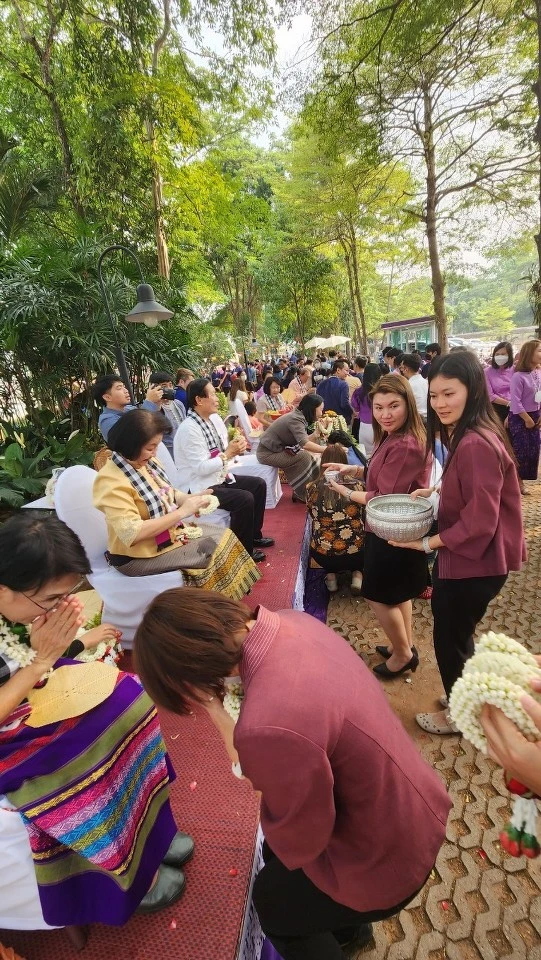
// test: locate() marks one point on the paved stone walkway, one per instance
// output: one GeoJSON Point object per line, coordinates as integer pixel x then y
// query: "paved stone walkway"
{"type": "Point", "coordinates": [480, 904]}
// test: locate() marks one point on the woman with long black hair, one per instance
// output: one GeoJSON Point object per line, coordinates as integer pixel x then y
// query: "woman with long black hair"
{"type": "Point", "coordinates": [480, 533]}
{"type": "Point", "coordinates": [361, 426]}
{"type": "Point", "coordinates": [286, 445]}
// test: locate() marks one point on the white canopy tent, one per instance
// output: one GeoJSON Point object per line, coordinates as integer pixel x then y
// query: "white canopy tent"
{"type": "Point", "coordinates": [315, 343]}
{"type": "Point", "coordinates": [335, 341]}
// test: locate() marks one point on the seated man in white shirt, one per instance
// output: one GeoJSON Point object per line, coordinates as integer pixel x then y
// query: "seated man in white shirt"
{"type": "Point", "coordinates": [202, 453]}
{"type": "Point", "coordinates": [410, 366]}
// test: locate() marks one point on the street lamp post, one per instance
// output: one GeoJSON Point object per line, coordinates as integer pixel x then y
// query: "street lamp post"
{"type": "Point", "coordinates": [147, 310]}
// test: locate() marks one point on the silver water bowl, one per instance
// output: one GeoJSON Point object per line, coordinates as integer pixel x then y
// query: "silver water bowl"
{"type": "Point", "coordinates": [399, 517]}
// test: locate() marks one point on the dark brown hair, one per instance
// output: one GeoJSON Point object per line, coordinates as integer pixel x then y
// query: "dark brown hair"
{"type": "Point", "coordinates": [397, 384]}
{"type": "Point", "coordinates": [133, 429]}
{"type": "Point", "coordinates": [185, 645]}
{"type": "Point", "coordinates": [504, 345]}
{"type": "Point", "coordinates": [524, 361]}
{"type": "Point", "coordinates": [333, 453]}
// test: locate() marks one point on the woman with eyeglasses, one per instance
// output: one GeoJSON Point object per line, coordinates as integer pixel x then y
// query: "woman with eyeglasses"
{"type": "Point", "coordinates": [86, 829]}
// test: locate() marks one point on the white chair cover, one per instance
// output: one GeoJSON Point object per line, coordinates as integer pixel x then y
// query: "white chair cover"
{"type": "Point", "coordinates": [20, 906]}
{"type": "Point", "coordinates": [249, 465]}
{"type": "Point", "coordinates": [246, 426]}
{"type": "Point", "coordinates": [125, 599]}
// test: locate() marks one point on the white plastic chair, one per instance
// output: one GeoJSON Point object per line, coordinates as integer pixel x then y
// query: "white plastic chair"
{"type": "Point", "coordinates": [125, 599]}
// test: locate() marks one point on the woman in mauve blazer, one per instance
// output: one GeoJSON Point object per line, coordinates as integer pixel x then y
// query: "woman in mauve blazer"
{"type": "Point", "coordinates": [480, 532]}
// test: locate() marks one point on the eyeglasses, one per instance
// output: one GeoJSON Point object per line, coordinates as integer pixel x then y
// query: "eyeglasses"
{"type": "Point", "coordinates": [58, 600]}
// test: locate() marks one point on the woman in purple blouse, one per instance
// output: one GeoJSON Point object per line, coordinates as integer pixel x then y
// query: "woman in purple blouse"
{"type": "Point", "coordinates": [498, 376]}
{"type": "Point", "coordinates": [361, 426]}
{"type": "Point", "coordinates": [524, 421]}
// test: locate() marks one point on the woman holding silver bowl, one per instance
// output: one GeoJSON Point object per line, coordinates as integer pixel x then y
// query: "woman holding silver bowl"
{"type": "Point", "coordinates": [480, 534]}
{"type": "Point", "coordinates": [392, 577]}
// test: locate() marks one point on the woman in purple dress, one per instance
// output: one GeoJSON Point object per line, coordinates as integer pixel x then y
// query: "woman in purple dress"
{"type": "Point", "coordinates": [524, 421]}
{"type": "Point", "coordinates": [498, 376]}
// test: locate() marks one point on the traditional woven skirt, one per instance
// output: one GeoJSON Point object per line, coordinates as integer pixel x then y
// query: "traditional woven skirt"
{"type": "Point", "coordinates": [299, 468]}
{"type": "Point", "coordinates": [525, 445]}
{"type": "Point", "coordinates": [93, 793]}
{"type": "Point", "coordinates": [230, 570]}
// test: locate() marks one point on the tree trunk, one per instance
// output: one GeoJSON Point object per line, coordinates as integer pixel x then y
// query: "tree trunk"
{"type": "Point", "coordinates": [535, 290]}
{"type": "Point", "coordinates": [347, 260]}
{"type": "Point", "coordinates": [43, 53]}
{"type": "Point", "coordinates": [437, 281]}
{"type": "Point", "coordinates": [357, 288]}
{"type": "Point", "coordinates": [162, 250]}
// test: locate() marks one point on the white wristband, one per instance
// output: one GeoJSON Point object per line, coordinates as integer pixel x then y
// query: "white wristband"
{"type": "Point", "coordinates": [426, 545]}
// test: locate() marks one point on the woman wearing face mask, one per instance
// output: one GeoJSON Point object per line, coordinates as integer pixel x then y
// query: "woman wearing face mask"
{"type": "Point", "coordinates": [524, 420]}
{"type": "Point", "coordinates": [498, 376]}
{"type": "Point", "coordinates": [399, 465]}
{"type": "Point", "coordinates": [480, 533]}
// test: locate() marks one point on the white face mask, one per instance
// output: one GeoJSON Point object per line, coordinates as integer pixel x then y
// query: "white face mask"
{"type": "Point", "coordinates": [501, 360]}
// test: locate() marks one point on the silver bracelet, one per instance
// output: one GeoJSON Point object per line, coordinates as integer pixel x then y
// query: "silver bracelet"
{"type": "Point", "coordinates": [426, 545]}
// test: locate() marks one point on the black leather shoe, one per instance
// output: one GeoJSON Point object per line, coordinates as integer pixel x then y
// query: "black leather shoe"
{"type": "Point", "coordinates": [180, 851]}
{"type": "Point", "coordinates": [264, 542]}
{"type": "Point", "coordinates": [361, 938]}
{"type": "Point", "coordinates": [168, 888]}
{"type": "Point", "coordinates": [382, 670]}
{"type": "Point", "coordinates": [258, 556]}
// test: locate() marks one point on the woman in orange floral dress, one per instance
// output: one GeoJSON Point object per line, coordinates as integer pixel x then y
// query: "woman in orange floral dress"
{"type": "Point", "coordinates": [337, 537]}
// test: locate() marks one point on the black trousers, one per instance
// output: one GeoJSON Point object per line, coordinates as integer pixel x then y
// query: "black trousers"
{"type": "Point", "coordinates": [457, 608]}
{"type": "Point", "coordinates": [245, 501]}
{"type": "Point", "coordinates": [301, 921]}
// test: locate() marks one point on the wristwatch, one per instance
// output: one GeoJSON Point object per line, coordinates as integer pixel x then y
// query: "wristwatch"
{"type": "Point", "coordinates": [426, 545]}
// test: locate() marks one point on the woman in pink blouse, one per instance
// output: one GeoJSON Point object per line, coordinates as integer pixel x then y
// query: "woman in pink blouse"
{"type": "Point", "coordinates": [399, 465]}
{"type": "Point", "coordinates": [498, 377]}
{"type": "Point", "coordinates": [480, 534]}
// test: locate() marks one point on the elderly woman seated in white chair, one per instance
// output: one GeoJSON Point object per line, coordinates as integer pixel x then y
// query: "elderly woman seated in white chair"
{"type": "Point", "coordinates": [86, 829]}
{"type": "Point", "coordinates": [145, 516]}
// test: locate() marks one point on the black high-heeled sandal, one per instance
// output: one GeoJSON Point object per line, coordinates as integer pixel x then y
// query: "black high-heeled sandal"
{"type": "Point", "coordinates": [382, 670]}
{"type": "Point", "coordinates": [386, 652]}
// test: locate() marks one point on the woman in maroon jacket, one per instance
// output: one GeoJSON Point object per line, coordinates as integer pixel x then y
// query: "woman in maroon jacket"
{"type": "Point", "coordinates": [399, 465]}
{"type": "Point", "coordinates": [480, 533]}
{"type": "Point", "coordinates": [353, 816]}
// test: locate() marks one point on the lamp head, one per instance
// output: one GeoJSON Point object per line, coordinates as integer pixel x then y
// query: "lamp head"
{"type": "Point", "coordinates": [147, 310]}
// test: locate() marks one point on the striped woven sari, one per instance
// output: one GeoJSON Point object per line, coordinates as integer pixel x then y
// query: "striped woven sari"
{"type": "Point", "coordinates": [93, 793]}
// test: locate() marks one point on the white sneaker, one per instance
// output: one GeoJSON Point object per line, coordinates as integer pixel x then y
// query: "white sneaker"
{"type": "Point", "coordinates": [331, 583]}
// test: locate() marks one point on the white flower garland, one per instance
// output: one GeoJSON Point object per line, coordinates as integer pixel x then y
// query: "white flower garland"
{"type": "Point", "coordinates": [233, 699]}
{"type": "Point", "coordinates": [212, 505]}
{"type": "Point", "coordinates": [22, 654]}
{"type": "Point", "coordinates": [499, 674]}
{"type": "Point", "coordinates": [12, 647]}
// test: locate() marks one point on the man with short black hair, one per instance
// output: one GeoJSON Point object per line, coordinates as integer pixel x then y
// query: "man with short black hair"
{"type": "Point", "coordinates": [409, 368]}
{"type": "Point", "coordinates": [172, 409]}
{"type": "Point", "coordinates": [334, 390]}
{"type": "Point", "coordinates": [111, 390]}
{"type": "Point", "coordinates": [432, 351]}
{"type": "Point", "coordinates": [203, 452]}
